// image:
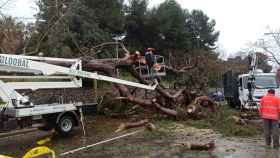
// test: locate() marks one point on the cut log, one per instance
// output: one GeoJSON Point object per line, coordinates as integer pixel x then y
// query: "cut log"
{"type": "Point", "coordinates": [142, 123]}
{"type": "Point", "coordinates": [194, 146]}
{"type": "Point", "coordinates": [205, 101]}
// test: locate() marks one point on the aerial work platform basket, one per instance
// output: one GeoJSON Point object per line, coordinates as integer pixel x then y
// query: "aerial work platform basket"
{"type": "Point", "coordinates": [158, 68]}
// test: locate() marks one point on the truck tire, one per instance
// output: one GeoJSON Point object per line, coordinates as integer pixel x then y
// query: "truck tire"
{"type": "Point", "coordinates": [65, 125]}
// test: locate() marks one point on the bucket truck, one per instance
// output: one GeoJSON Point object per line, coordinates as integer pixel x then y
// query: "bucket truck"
{"type": "Point", "coordinates": [17, 111]}
{"type": "Point", "coordinates": [246, 90]}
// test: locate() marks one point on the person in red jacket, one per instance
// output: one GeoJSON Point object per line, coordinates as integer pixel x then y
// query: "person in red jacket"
{"type": "Point", "coordinates": [269, 111]}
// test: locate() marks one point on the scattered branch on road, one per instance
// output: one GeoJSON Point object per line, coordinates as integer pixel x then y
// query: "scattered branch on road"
{"type": "Point", "coordinates": [194, 146]}
{"type": "Point", "coordinates": [143, 123]}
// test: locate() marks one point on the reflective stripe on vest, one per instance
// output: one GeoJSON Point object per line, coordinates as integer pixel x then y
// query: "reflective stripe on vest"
{"type": "Point", "coordinates": [274, 107]}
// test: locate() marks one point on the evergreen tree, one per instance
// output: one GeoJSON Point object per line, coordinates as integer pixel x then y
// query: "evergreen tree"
{"type": "Point", "coordinates": [202, 30]}
{"type": "Point", "coordinates": [171, 25]}
{"type": "Point", "coordinates": [135, 24]}
{"type": "Point", "coordinates": [68, 26]}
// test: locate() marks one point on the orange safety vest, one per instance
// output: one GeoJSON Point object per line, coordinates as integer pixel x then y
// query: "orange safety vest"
{"type": "Point", "coordinates": [269, 107]}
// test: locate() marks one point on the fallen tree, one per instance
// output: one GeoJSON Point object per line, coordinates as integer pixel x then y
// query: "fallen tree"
{"type": "Point", "coordinates": [181, 102]}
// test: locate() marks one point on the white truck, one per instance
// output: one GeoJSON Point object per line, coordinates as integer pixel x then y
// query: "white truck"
{"type": "Point", "coordinates": [17, 110]}
{"type": "Point", "coordinates": [263, 82]}
{"type": "Point", "coordinates": [245, 90]}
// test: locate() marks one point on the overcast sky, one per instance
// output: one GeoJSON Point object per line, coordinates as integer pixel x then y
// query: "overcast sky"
{"type": "Point", "coordinates": [239, 21]}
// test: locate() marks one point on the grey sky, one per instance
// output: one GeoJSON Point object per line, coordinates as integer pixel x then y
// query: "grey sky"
{"type": "Point", "coordinates": [239, 21]}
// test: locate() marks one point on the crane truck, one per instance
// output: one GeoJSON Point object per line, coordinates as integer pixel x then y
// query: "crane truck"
{"type": "Point", "coordinates": [17, 111]}
{"type": "Point", "coordinates": [245, 90]}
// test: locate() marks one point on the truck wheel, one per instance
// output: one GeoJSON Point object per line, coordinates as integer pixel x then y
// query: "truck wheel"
{"type": "Point", "coordinates": [65, 125]}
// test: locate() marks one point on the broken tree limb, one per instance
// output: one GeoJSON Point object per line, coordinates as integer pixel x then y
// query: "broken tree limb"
{"type": "Point", "coordinates": [239, 120]}
{"type": "Point", "coordinates": [130, 125]}
{"type": "Point", "coordinates": [194, 146]}
{"type": "Point", "coordinates": [160, 89]}
{"type": "Point", "coordinates": [164, 110]}
{"type": "Point", "coordinates": [184, 68]}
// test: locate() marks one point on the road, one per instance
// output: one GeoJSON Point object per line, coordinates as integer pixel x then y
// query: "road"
{"type": "Point", "coordinates": [160, 143]}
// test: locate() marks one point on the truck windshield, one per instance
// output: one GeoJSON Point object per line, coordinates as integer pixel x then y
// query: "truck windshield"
{"type": "Point", "coordinates": [264, 82]}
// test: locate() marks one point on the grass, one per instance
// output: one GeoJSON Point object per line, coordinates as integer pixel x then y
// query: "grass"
{"type": "Point", "coordinates": [220, 122]}
{"type": "Point", "coordinates": [157, 134]}
{"type": "Point", "coordinates": [161, 131]}
{"type": "Point", "coordinates": [223, 123]}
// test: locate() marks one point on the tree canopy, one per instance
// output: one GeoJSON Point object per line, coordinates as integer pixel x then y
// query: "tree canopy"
{"type": "Point", "coordinates": [70, 26]}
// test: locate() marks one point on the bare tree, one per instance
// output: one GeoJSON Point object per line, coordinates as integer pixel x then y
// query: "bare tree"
{"type": "Point", "coordinates": [270, 45]}
{"type": "Point", "coordinates": [5, 5]}
{"type": "Point", "coordinates": [11, 35]}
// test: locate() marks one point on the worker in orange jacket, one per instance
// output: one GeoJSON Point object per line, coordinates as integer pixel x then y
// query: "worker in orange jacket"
{"type": "Point", "coordinates": [269, 111]}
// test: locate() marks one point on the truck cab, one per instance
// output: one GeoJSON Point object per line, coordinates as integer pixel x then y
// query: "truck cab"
{"type": "Point", "coordinates": [263, 82]}
{"type": "Point", "coordinates": [236, 88]}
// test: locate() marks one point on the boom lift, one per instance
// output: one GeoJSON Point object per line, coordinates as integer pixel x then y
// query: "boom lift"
{"type": "Point", "coordinates": [19, 112]}
{"type": "Point", "coordinates": [245, 90]}
{"type": "Point", "coordinates": [253, 60]}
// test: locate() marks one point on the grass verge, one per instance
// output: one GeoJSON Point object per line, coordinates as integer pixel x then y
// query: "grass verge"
{"type": "Point", "coordinates": [223, 123]}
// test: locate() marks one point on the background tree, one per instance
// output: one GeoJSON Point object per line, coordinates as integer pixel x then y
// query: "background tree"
{"type": "Point", "coordinates": [136, 25]}
{"type": "Point", "coordinates": [70, 26]}
{"type": "Point", "coordinates": [202, 29]}
{"type": "Point", "coordinates": [171, 22]}
{"type": "Point", "coordinates": [11, 35]}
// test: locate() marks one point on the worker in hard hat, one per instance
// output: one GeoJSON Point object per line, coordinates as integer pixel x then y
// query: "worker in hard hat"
{"type": "Point", "coordinates": [152, 65]}
{"type": "Point", "coordinates": [149, 56]}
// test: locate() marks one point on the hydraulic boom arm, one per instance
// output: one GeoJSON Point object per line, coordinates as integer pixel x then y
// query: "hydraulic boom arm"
{"type": "Point", "coordinates": [27, 62]}
{"type": "Point", "coordinates": [252, 70]}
